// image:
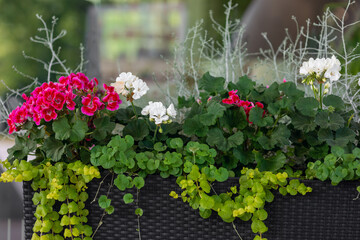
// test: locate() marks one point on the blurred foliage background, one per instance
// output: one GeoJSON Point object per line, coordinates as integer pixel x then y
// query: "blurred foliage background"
{"type": "Point", "coordinates": [18, 23]}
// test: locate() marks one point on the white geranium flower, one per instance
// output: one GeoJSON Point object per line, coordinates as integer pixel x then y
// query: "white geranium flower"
{"type": "Point", "coordinates": [330, 67]}
{"type": "Point", "coordinates": [305, 68]}
{"type": "Point", "coordinates": [139, 88]}
{"type": "Point", "coordinates": [158, 113]}
{"type": "Point", "coordinates": [332, 73]}
{"type": "Point", "coordinates": [146, 110]}
{"type": "Point", "coordinates": [128, 83]}
{"type": "Point", "coordinates": [171, 111]}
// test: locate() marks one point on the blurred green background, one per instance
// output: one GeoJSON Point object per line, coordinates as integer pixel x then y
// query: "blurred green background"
{"type": "Point", "coordinates": [120, 20]}
{"type": "Point", "coordinates": [18, 23]}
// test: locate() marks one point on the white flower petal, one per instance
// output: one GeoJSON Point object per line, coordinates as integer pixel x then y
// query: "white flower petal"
{"type": "Point", "coordinates": [171, 111]}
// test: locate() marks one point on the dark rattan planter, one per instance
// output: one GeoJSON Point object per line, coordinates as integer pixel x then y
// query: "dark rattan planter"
{"type": "Point", "coordinates": [327, 213]}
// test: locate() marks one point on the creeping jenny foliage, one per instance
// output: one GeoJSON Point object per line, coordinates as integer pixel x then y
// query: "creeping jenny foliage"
{"type": "Point", "coordinates": [59, 197]}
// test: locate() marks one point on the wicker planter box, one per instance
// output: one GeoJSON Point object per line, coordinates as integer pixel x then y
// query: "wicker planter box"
{"type": "Point", "coordinates": [327, 213]}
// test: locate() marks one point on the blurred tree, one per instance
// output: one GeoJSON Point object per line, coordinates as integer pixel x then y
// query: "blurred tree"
{"type": "Point", "coordinates": [18, 23]}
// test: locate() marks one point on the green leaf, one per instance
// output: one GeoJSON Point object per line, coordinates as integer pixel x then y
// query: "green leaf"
{"type": "Point", "coordinates": [216, 109]}
{"type": "Point", "coordinates": [303, 123]}
{"type": "Point", "coordinates": [122, 182]}
{"type": "Point", "coordinates": [138, 129]}
{"type": "Point", "coordinates": [185, 103]}
{"type": "Point", "coordinates": [61, 128]}
{"type": "Point", "coordinates": [88, 231]}
{"type": "Point", "coordinates": [21, 148]}
{"type": "Point", "coordinates": [334, 121]}
{"type": "Point", "coordinates": [290, 90]}
{"type": "Point", "coordinates": [271, 93]}
{"type": "Point", "coordinates": [319, 152]}
{"type": "Point", "coordinates": [235, 140]}
{"type": "Point", "coordinates": [206, 201]}
{"type": "Point", "coordinates": [271, 163]}
{"type": "Point", "coordinates": [337, 151]}
{"type": "Point", "coordinates": [234, 118]}
{"type": "Point", "coordinates": [261, 214]}
{"type": "Point", "coordinates": [216, 138]}
{"type": "Point", "coordinates": [73, 207]}
{"type": "Point", "coordinates": [63, 209]}
{"type": "Point", "coordinates": [104, 202]}
{"type": "Point", "coordinates": [193, 126]}
{"type": "Point", "coordinates": [335, 101]}
{"type": "Point", "coordinates": [103, 128]}
{"type": "Point", "coordinates": [266, 142]}
{"type": "Point", "coordinates": [207, 119]}
{"type": "Point", "coordinates": [139, 212]}
{"type": "Point", "coordinates": [256, 117]}
{"type": "Point", "coordinates": [211, 84]}
{"type": "Point", "coordinates": [159, 147]}
{"type": "Point", "coordinates": [107, 161]}
{"type": "Point", "coordinates": [139, 182]}
{"type": "Point", "coordinates": [244, 85]}
{"type": "Point", "coordinates": [176, 143]}
{"type": "Point", "coordinates": [125, 115]}
{"type": "Point", "coordinates": [281, 135]}
{"type": "Point", "coordinates": [53, 148]}
{"type": "Point", "coordinates": [258, 226]}
{"type": "Point", "coordinates": [307, 106]}
{"type": "Point", "coordinates": [222, 174]}
{"type": "Point", "coordinates": [205, 213]}
{"type": "Point", "coordinates": [194, 174]}
{"type": "Point", "coordinates": [128, 198]}
{"type": "Point", "coordinates": [244, 157]}
{"type": "Point", "coordinates": [78, 131]}
{"type": "Point", "coordinates": [342, 136]}
{"type": "Point", "coordinates": [356, 152]}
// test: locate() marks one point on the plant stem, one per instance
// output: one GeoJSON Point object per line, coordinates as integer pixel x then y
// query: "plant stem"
{"type": "Point", "coordinates": [104, 213]}
{"type": "Point", "coordinates": [137, 206]}
{"type": "Point", "coordinates": [97, 192]}
{"type": "Point", "coordinates": [276, 121]}
{"type": "Point", "coordinates": [133, 106]}
{"type": "Point", "coordinates": [237, 233]}
{"type": "Point", "coordinates": [156, 129]}
{"type": "Point", "coordinates": [313, 88]}
{"type": "Point", "coordinates": [321, 96]}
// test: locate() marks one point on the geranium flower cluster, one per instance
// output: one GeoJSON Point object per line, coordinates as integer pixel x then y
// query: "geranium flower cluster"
{"type": "Point", "coordinates": [246, 105]}
{"type": "Point", "coordinates": [322, 68]}
{"type": "Point", "coordinates": [130, 86]}
{"type": "Point", "coordinates": [159, 113]}
{"type": "Point", "coordinates": [46, 101]}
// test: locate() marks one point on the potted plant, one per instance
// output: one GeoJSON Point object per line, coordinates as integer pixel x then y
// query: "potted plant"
{"type": "Point", "coordinates": [100, 170]}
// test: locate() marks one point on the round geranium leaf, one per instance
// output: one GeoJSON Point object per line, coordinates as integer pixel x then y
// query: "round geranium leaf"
{"type": "Point", "coordinates": [128, 198]}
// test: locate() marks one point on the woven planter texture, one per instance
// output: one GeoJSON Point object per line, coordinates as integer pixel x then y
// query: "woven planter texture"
{"type": "Point", "coordinates": [329, 212]}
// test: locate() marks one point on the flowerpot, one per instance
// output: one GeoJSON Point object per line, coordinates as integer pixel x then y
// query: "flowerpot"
{"type": "Point", "coordinates": [329, 212]}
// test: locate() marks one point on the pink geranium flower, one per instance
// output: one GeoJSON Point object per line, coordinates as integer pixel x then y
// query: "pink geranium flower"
{"type": "Point", "coordinates": [47, 100]}
{"type": "Point", "coordinates": [58, 101]}
{"type": "Point", "coordinates": [246, 105]}
{"type": "Point", "coordinates": [90, 105]}
{"type": "Point", "coordinates": [48, 113]}
{"type": "Point", "coordinates": [112, 98]}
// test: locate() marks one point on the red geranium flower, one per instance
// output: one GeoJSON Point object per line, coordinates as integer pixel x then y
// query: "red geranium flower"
{"type": "Point", "coordinates": [90, 105]}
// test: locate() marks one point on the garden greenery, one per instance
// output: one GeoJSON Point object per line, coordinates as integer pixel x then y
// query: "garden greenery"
{"type": "Point", "coordinates": [263, 135]}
